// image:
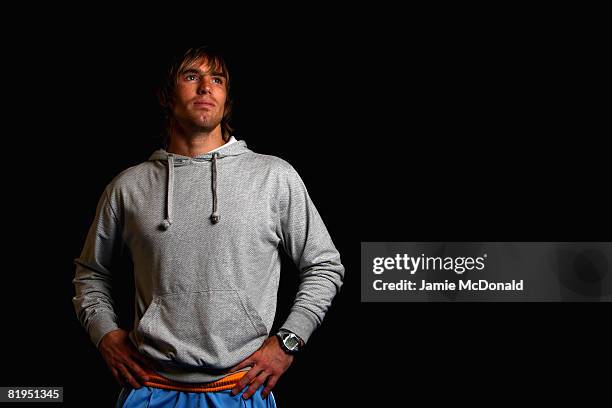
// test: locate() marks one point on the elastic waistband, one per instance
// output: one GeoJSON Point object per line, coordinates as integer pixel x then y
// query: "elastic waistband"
{"type": "Point", "coordinates": [225, 383]}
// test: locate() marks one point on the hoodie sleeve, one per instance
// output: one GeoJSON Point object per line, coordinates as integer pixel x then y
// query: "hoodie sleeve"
{"type": "Point", "coordinates": [306, 240]}
{"type": "Point", "coordinates": [93, 302]}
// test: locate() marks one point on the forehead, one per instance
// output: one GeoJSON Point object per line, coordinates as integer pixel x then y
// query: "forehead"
{"type": "Point", "coordinates": [204, 64]}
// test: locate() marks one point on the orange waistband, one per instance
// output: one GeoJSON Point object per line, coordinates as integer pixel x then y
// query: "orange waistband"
{"type": "Point", "coordinates": [225, 383]}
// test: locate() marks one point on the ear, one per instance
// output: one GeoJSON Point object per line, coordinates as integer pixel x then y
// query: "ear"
{"type": "Point", "coordinates": [165, 98]}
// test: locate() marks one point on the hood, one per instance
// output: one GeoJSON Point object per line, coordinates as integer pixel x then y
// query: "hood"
{"type": "Point", "coordinates": [173, 160]}
{"type": "Point", "coordinates": [234, 149]}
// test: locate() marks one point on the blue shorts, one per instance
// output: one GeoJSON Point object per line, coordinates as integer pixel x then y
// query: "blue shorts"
{"type": "Point", "coordinates": [151, 397]}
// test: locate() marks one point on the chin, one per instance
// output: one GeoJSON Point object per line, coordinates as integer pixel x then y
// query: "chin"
{"type": "Point", "coordinates": [207, 120]}
{"type": "Point", "coordinates": [205, 126]}
{"type": "Point", "coordinates": [202, 122]}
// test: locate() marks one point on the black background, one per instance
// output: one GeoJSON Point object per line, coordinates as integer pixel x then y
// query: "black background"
{"type": "Point", "coordinates": [439, 131]}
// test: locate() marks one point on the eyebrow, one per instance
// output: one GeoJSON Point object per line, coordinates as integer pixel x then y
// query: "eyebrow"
{"type": "Point", "coordinates": [200, 72]}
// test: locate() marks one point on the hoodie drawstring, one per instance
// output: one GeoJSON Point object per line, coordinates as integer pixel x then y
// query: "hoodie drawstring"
{"type": "Point", "coordinates": [168, 221]}
{"type": "Point", "coordinates": [215, 215]}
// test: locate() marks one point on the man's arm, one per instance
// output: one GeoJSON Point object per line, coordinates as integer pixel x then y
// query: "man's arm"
{"type": "Point", "coordinates": [308, 243]}
{"type": "Point", "coordinates": [93, 302]}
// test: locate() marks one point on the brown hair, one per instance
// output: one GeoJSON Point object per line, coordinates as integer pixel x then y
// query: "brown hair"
{"type": "Point", "coordinates": [166, 91]}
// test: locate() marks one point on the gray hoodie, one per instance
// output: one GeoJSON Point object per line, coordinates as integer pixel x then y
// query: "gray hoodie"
{"type": "Point", "coordinates": [204, 234]}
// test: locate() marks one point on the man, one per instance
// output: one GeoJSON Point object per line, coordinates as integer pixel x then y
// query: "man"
{"type": "Point", "coordinates": [204, 219]}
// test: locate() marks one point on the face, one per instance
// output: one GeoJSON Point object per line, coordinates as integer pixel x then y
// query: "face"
{"type": "Point", "coordinates": [199, 98]}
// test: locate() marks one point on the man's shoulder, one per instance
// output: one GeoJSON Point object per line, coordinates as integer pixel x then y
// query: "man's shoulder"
{"type": "Point", "coordinates": [270, 162]}
{"type": "Point", "coordinates": [131, 176]}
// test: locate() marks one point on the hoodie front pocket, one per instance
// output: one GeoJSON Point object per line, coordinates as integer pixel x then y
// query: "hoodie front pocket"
{"type": "Point", "coordinates": [215, 328]}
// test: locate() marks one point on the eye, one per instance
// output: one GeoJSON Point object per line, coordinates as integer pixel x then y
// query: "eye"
{"type": "Point", "coordinates": [218, 80]}
{"type": "Point", "coordinates": [191, 77]}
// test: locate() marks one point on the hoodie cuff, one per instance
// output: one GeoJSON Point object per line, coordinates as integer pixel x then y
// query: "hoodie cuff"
{"type": "Point", "coordinates": [99, 326]}
{"type": "Point", "coordinates": [301, 323]}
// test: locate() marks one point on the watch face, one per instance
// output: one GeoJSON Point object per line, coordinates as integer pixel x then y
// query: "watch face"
{"type": "Point", "coordinates": [291, 342]}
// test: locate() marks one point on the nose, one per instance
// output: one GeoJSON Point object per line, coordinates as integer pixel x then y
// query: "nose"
{"type": "Point", "coordinates": [204, 87]}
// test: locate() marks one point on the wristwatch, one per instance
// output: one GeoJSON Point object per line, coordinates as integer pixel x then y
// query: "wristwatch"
{"type": "Point", "coordinates": [289, 341]}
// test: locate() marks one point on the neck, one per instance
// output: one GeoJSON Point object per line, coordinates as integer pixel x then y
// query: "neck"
{"type": "Point", "coordinates": [194, 143]}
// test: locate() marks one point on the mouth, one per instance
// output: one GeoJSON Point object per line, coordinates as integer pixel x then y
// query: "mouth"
{"type": "Point", "coordinates": [203, 104]}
